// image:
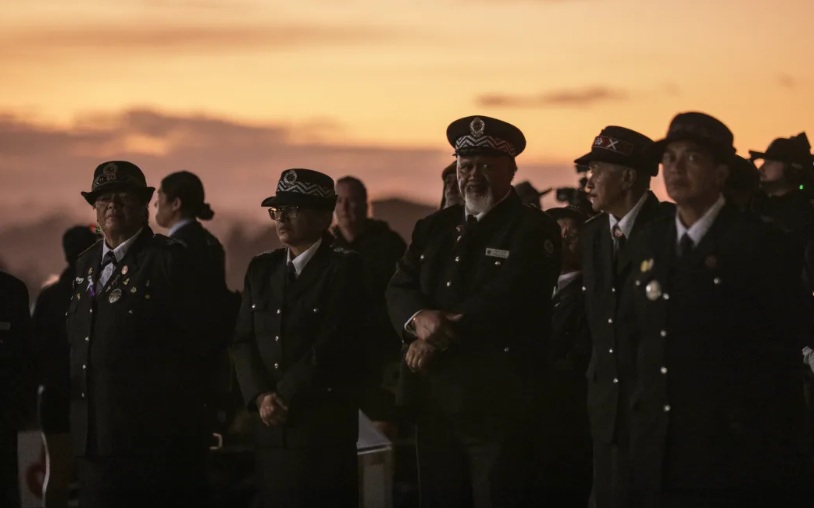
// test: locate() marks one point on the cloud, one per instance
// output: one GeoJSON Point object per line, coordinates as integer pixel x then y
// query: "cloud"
{"type": "Point", "coordinates": [183, 37]}
{"type": "Point", "coordinates": [558, 98]}
{"type": "Point", "coordinates": [787, 81]}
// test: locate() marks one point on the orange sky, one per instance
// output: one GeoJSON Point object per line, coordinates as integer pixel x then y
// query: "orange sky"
{"type": "Point", "coordinates": [238, 90]}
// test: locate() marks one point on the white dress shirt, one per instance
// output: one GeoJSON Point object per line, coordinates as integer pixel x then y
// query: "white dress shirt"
{"type": "Point", "coordinates": [119, 252]}
{"type": "Point", "coordinates": [701, 226]}
{"type": "Point", "coordinates": [302, 260]}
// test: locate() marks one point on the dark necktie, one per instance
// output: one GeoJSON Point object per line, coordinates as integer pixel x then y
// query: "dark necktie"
{"type": "Point", "coordinates": [291, 273]}
{"type": "Point", "coordinates": [618, 245]}
{"type": "Point", "coordinates": [110, 257]}
{"type": "Point", "coordinates": [685, 245]}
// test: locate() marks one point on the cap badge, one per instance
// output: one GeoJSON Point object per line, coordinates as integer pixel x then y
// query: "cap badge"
{"type": "Point", "coordinates": [290, 177]}
{"type": "Point", "coordinates": [477, 126]}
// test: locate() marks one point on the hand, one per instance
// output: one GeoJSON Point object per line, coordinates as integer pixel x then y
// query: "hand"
{"type": "Point", "coordinates": [435, 327]}
{"type": "Point", "coordinates": [272, 408]}
{"type": "Point", "coordinates": [419, 355]}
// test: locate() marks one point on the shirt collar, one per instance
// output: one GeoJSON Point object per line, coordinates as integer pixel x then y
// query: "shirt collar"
{"type": "Point", "coordinates": [481, 215]}
{"type": "Point", "coordinates": [626, 222]}
{"type": "Point", "coordinates": [178, 225]}
{"type": "Point", "coordinates": [702, 225]}
{"type": "Point", "coordinates": [300, 261]}
{"type": "Point", "coordinates": [123, 247]}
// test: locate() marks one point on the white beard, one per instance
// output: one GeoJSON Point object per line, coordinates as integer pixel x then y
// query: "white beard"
{"type": "Point", "coordinates": [478, 203]}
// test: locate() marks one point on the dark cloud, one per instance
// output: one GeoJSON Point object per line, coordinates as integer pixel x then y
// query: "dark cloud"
{"type": "Point", "coordinates": [558, 98]}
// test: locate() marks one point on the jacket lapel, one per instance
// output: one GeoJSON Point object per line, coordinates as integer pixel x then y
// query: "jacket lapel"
{"type": "Point", "coordinates": [312, 271]}
{"type": "Point", "coordinates": [129, 263]}
{"type": "Point", "coordinates": [709, 243]}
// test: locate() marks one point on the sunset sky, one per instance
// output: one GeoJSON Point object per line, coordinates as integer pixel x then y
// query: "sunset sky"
{"type": "Point", "coordinates": [238, 90]}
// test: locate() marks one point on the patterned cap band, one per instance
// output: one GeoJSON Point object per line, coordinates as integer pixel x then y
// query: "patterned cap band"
{"type": "Point", "coordinates": [614, 145]}
{"type": "Point", "coordinates": [290, 183]}
{"type": "Point", "coordinates": [482, 141]}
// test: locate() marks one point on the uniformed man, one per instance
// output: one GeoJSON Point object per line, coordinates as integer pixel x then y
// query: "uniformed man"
{"type": "Point", "coordinates": [716, 411]}
{"type": "Point", "coordinates": [565, 439]}
{"type": "Point", "coordinates": [136, 335]}
{"type": "Point", "coordinates": [472, 300]}
{"type": "Point", "coordinates": [620, 166]}
{"type": "Point", "coordinates": [380, 248]}
{"type": "Point", "coordinates": [16, 380]}
{"type": "Point", "coordinates": [298, 351]}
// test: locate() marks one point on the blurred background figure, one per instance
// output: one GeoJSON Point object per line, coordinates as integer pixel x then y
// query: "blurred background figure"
{"type": "Point", "coordinates": [529, 195]}
{"type": "Point", "coordinates": [16, 380]}
{"type": "Point", "coordinates": [564, 444]}
{"type": "Point", "coordinates": [179, 205]}
{"type": "Point", "coordinates": [380, 249]}
{"type": "Point", "coordinates": [452, 193]}
{"type": "Point", "coordinates": [53, 352]}
{"type": "Point", "coordinates": [743, 184]}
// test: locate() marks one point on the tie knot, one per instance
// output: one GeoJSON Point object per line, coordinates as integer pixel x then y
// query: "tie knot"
{"type": "Point", "coordinates": [109, 258]}
{"type": "Point", "coordinates": [618, 234]}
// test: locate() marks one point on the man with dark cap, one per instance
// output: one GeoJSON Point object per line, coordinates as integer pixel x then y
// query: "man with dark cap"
{"type": "Point", "coordinates": [298, 351]}
{"type": "Point", "coordinates": [529, 194]}
{"type": "Point", "coordinates": [53, 352]}
{"type": "Point", "coordinates": [564, 455]}
{"type": "Point", "coordinates": [620, 166]}
{"type": "Point", "coordinates": [716, 413]}
{"type": "Point", "coordinates": [16, 380]}
{"type": "Point", "coordinates": [380, 248]}
{"type": "Point", "coordinates": [742, 185]}
{"type": "Point", "coordinates": [472, 300]}
{"type": "Point", "coordinates": [137, 342]}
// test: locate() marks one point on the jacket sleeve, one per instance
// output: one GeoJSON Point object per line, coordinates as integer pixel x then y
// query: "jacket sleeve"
{"type": "Point", "coordinates": [17, 374]}
{"type": "Point", "coordinates": [337, 352]}
{"type": "Point", "coordinates": [249, 368]}
{"type": "Point", "coordinates": [404, 295]}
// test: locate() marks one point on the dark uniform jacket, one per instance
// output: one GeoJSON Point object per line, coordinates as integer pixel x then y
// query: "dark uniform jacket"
{"type": "Point", "coordinates": [16, 379]}
{"type": "Point", "coordinates": [302, 339]}
{"type": "Point", "coordinates": [718, 403]}
{"type": "Point", "coordinates": [53, 350]}
{"type": "Point", "coordinates": [380, 249]}
{"type": "Point", "coordinates": [135, 350]}
{"type": "Point", "coordinates": [610, 318]}
{"type": "Point", "coordinates": [498, 273]}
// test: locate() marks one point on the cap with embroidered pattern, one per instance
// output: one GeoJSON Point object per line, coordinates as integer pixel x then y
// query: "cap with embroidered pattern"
{"type": "Point", "coordinates": [482, 135]}
{"type": "Point", "coordinates": [303, 187]}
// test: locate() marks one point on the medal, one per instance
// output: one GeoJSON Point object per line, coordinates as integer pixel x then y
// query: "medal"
{"type": "Point", "coordinates": [133, 289]}
{"type": "Point", "coordinates": [126, 281]}
{"type": "Point", "coordinates": [647, 265]}
{"type": "Point", "coordinates": [115, 295]}
{"type": "Point", "coordinates": [653, 290]}
{"type": "Point", "coordinates": [125, 270]}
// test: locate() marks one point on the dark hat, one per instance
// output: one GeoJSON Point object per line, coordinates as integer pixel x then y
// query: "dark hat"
{"type": "Point", "coordinates": [452, 168]}
{"type": "Point", "coordinates": [618, 145]}
{"type": "Point", "coordinates": [481, 135]}
{"type": "Point", "coordinates": [742, 174]}
{"type": "Point", "coordinates": [529, 194]}
{"type": "Point", "coordinates": [567, 212]}
{"type": "Point", "coordinates": [304, 187]}
{"type": "Point", "coordinates": [795, 151]}
{"type": "Point", "coordinates": [76, 240]}
{"type": "Point", "coordinates": [113, 176]}
{"type": "Point", "coordinates": [701, 128]}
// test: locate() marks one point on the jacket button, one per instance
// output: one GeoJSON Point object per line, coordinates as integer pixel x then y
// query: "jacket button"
{"type": "Point", "coordinates": [716, 281]}
{"type": "Point", "coordinates": [449, 283]}
{"type": "Point", "coordinates": [506, 349]}
{"type": "Point", "coordinates": [666, 408]}
{"type": "Point", "coordinates": [583, 288]}
{"type": "Point", "coordinates": [616, 380]}
{"type": "Point", "coordinates": [84, 367]}
{"type": "Point", "coordinates": [663, 333]}
{"type": "Point", "coordinates": [87, 339]}
{"type": "Point", "coordinates": [83, 395]}
{"type": "Point", "coordinates": [457, 259]}
{"type": "Point", "coordinates": [421, 257]}
{"type": "Point", "coordinates": [330, 389]}
{"type": "Point", "coordinates": [497, 263]}
{"type": "Point", "coordinates": [66, 314]}
{"type": "Point", "coordinates": [316, 310]}
{"type": "Point", "coordinates": [276, 338]}
{"type": "Point", "coordinates": [254, 306]}
{"type": "Point", "coordinates": [130, 311]}
{"type": "Point", "coordinates": [664, 370]}
{"type": "Point", "coordinates": [610, 350]}
{"type": "Point", "coordinates": [638, 282]}
{"type": "Point", "coordinates": [613, 290]}
{"type": "Point", "coordinates": [666, 296]}
{"type": "Point", "coordinates": [91, 311]}
{"type": "Point", "coordinates": [279, 311]}
{"type": "Point", "coordinates": [276, 365]}
{"type": "Point", "coordinates": [610, 321]}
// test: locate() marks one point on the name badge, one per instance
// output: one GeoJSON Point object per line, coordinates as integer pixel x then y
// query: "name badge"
{"type": "Point", "coordinates": [497, 253]}
{"type": "Point", "coordinates": [5, 326]}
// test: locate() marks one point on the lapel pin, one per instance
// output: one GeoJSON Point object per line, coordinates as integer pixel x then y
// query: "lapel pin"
{"type": "Point", "coordinates": [125, 270]}
{"type": "Point", "coordinates": [647, 265]}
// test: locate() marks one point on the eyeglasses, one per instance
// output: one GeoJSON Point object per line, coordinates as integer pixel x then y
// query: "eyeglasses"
{"type": "Point", "coordinates": [121, 198]}
{"type": "Point", "coordinates": [289, 212]}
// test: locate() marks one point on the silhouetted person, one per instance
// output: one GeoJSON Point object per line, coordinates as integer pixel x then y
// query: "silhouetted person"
{"type": "Point", "coordinates": [17, 380]}
{"type": "Point", "coordinates": [380, 249]}
{"type": "Point", "coordinates": [53, 352]}
{"type": "Point", "coordinates": [137, 335]}
{"type": "Point", "coordinates": [451, 193]}
{"type": "Point", "coordinates": [743, 184]}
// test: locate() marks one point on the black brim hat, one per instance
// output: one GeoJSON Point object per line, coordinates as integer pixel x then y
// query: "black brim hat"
{"type": "Point", "coordinates": [795, 151]}
{"type": "Point", "coordinates": [303, 187]}
{"type": "Point", "coordinates": [701, 128]}
{"type": "Point", "coordinates": [626, 147]}
{"type": "Point", "coordinates": [482, 135]}
{"type": "Point", "coordinates": [117, 176]}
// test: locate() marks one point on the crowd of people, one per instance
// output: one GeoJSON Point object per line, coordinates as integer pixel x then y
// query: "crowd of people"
{"type": "Point", "coordinates": [616, 352]}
